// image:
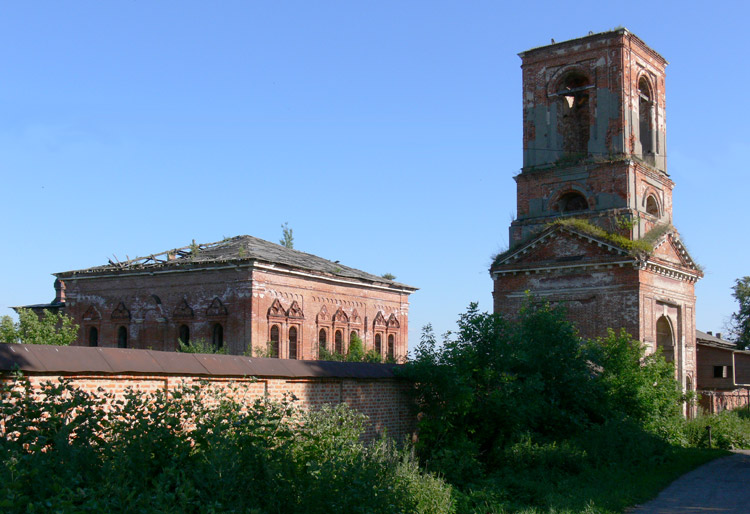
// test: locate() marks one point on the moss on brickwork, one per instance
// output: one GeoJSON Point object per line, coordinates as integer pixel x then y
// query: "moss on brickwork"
{"type": "Point", "coordinates": [637, 247]}
{"type": "Point", "coordinates": [644, 245]}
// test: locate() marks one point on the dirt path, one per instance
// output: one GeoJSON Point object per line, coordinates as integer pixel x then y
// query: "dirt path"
{"type": "Point", "coordinates": [719, 486]}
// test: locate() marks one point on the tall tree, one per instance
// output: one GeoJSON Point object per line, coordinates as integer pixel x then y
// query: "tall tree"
{"type": "Point", "coordinates": [740, 322]}
{"type": "Point", "coordinates": [56, 329]}
{"type": "Point", "coordinates": [287, 239]}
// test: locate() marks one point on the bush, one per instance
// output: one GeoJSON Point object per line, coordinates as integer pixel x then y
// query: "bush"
{"type": "Point", "coordinates": [356, 353]}
{"type": "Point", "coordinates": [197, 449]}
{"type": "Point", "coordinates": [504, 393]}
{"type": "Point", "coordinates": [200, 346]}
{"type": "Point", "coordinates": [729, 430]}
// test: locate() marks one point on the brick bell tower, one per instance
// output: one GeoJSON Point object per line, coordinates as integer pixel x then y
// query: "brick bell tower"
{"type": "Point", "coordinates": [594, 200]}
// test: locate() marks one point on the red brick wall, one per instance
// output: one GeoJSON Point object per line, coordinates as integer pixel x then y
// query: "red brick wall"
{"type": "Point", "coordinates": [312, 295]}
{"type": "Point", "coordinates": [152, 301]}
{"type": "Point", "coordinates": [717, 401]}
{"type": "Point", "coordinates": [384, 400]}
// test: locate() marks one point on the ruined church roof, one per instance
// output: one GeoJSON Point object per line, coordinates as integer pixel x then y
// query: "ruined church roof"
{"type": "Point", "coordinates": [237, 250]}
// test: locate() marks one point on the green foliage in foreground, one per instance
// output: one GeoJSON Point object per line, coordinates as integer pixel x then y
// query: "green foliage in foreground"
{"type": "Point", "coordinates": [196, 449]}
{"type": "Point", "coordinates": [524, 416]}
{"type": "Point", "coordinates": [729, 430]}
{"type": "Point", "coordinates": [51, 328]}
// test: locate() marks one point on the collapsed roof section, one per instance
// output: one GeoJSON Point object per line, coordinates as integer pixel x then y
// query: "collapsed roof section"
{"type": "Point", "coordinates": [235, 250]}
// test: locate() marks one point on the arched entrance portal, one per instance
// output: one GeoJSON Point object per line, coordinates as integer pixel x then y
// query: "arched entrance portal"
{"type": "Point", "coordinates": [665, 338]}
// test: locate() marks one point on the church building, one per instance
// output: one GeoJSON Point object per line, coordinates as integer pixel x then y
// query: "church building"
{"type": "Point", "coordinates": [594, 228]}
{"type": "Point", "coordinates": [243, 294]}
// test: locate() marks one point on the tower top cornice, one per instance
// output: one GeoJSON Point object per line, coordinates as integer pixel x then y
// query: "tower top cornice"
{"type": "Point", "coordinates": [622, 34]}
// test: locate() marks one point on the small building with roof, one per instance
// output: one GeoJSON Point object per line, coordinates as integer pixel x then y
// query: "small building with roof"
{"type": "Point", "coordinates": [243, 294]}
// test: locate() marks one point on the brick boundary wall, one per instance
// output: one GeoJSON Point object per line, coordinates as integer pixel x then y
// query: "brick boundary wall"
{"type": "Point", "coordinates": [372, 389]}
{"type": "Point", "coordinates": [714, 401]}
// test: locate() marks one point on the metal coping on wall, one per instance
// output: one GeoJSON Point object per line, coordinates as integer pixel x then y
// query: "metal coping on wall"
{"type": "Point", "coordinates": [72, 360]}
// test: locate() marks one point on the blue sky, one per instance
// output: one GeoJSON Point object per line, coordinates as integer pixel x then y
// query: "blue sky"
{"type": "Point", "coordinates": [385, 133]}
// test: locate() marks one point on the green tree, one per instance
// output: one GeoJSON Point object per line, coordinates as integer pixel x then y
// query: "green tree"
{"type": "Point", "coordinates": [49, 328]}
{"type": "Point", "coordinates": [498, 383]}
{"type": "Point", "coordinates": [388, 276]}
{"type": "Point", "coordinates": [287, 238]}
{"type": "Point", "coordinates": [356, 349]}
{"type": "Point", "coordinates": [740, 321]}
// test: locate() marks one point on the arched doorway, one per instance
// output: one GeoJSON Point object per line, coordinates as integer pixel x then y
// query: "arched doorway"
{"type": "Point", "coordinates": [93, 336]}
{"type": "Point", "coordinates": [665, 338]}
{"type": "Point", "coordinates": [122, 337]}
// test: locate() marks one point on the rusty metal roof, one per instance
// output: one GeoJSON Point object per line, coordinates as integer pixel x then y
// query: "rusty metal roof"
{"type": "Point", "coordinates": [234, 250]}
{"type": "Point", "coordinates": [75, 360]}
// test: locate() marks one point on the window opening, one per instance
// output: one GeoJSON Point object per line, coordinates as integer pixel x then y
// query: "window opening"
{"type": "Point", "coordinates": [339, 342]}
{"type": "Point", "coordinates": [293, 343]}
{"type": "Point", "coordinates": [665, 339]}
{"type": "Point", "coordinates": [574, 121]}
{"type": "Point", "coordinates": [645, 117]}
{"type": "Point", "coordinates": [122, 337]}
{"type": "Point", "coordinates": [378, 344]}
{"type": "Point", "coordinates": [652, 207]}
{"type": "Point", "coordinates": [391, 346]}
{"type": "Point", "coordinates": [274, 347]}
{"type": "Point", "coordinates": [322, 339]}
{"type": "Point", "coordinates": [572, 202]}
{"type": "Point", "coordinates": [722, 371]}
{"type": "Point", "coordinates": [184, 334]}
{"type": "Point", "coordinates": [217, 336]}
{"type": "Point", "coordinates": [93, 336]}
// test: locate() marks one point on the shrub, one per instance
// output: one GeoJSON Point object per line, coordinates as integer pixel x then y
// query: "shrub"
{"type": "Point", "coordinates": [197, 449]}
{"type": "Point", "coordinates": [729, 430]}
{"type": "Point", "coordinates": [200, 346]}
{"type": "Point", "coordinates": [498, 389]}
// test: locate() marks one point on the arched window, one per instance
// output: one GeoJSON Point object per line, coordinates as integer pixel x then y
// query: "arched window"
{"type": "Point", "coordinates": [93, 336]}
{"type": "Point", "coordinates": [574, 123]}
{"type": "Point", "coordinates": [322, 339]}
{"type": "Point", "coordinates": [352, 336]}
{"type": "Point", "coordinates": [665, 339]}
{"type": "Point", "coordinates": [645, 116]}
{"type": "Point", "coordinates": [217, 335]}
{"type": "Point", "coordinates": [122, 337]}
{"type": "Point", "coordinates": [274, 347]}
{"type": "Point", "coordinates": [339, 342]}
{"type": "Point", "coordinates": [572, 202]}
{"type": "Point", "coordinates": [652, 207]}
{"type": "Point", "coordinates": [184, 334]}
{"type": "Point", "coordinates": [391, 346]}
{"type": "Point", "coordinates": [293, 342]}
{"type": "Point", "coordinates": [378, 344]}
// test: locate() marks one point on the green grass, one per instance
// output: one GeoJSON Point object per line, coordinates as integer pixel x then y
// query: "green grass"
{"type": "Point", "coordinates": [607, 490]}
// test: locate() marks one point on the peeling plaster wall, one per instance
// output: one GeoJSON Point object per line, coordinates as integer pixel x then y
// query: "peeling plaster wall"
{"type": "Point", "coordinates": [246, 295]}
{"type": "Point", "coordinates": [675, 299]}
{"type": "Point", "coordinates": [614, 62]}
{"type": "Point", "coordinates": [314, 294]}
{"type": "Point", "coordinates": [154, 325]}
{"type": "Point", "coordinates": [594, 300]}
